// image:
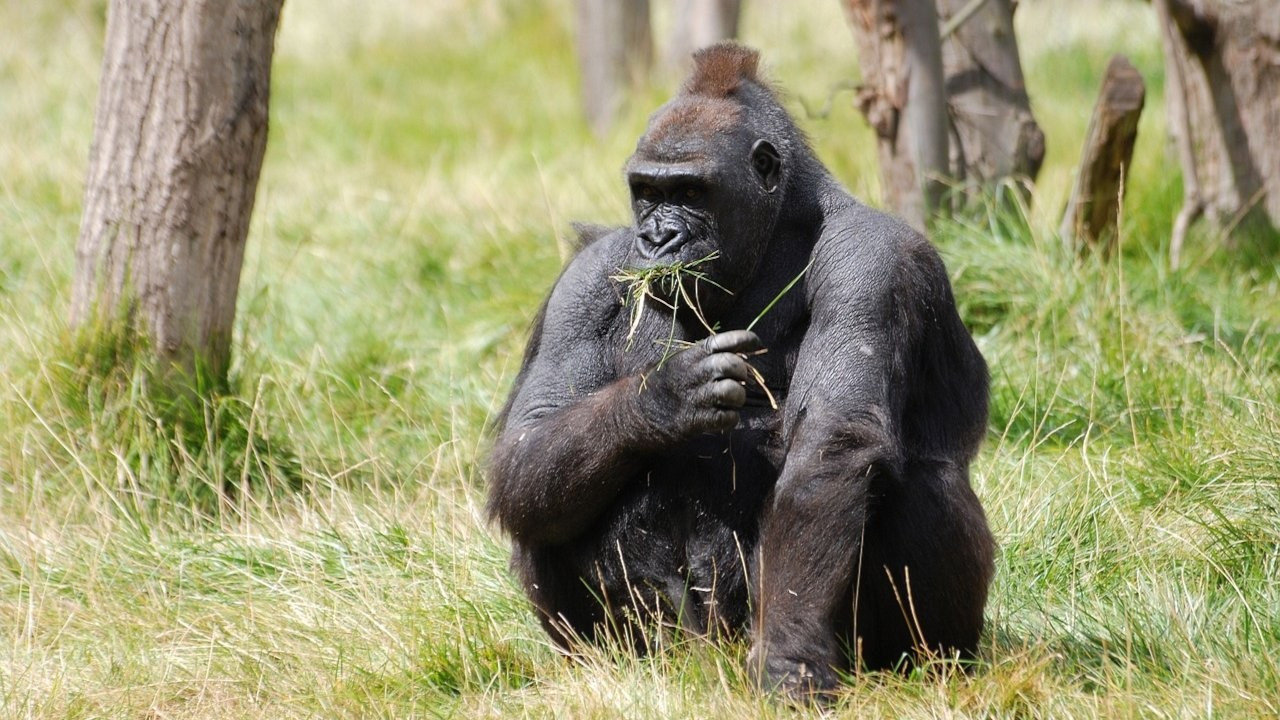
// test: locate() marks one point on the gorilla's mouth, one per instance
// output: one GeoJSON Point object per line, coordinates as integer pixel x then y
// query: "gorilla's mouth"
{"type": "Point", "coordinates": [671, 281]}
{"type": "Point", "coordinates": [676, 255]}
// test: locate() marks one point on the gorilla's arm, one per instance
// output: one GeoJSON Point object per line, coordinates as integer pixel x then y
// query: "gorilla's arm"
{"type": "Point", "coordinates": [574, 433]}
{"type": "Point", "coordinates": [842, 430]}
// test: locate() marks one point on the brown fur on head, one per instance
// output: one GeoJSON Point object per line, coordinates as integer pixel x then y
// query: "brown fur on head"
{"type": "Point", "coordinates": [706, 106]}
{"type": "Point", "coordinates": [719, 70]}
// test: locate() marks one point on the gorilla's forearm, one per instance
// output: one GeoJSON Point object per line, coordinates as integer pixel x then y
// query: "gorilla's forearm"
{"type": "Point", "coordinates": [555, 473]}
{"type": "Point", "coordinates": [552, 477]}
{"type": "Point", "coordinates": [826, 490]}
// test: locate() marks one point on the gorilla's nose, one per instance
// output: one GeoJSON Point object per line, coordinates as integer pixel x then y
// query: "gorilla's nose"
{"type": "Point", "coordinates": [659, 240]}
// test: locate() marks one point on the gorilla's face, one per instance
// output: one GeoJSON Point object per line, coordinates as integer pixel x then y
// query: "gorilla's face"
{"type": "Point", "coordinates": [703, 190]}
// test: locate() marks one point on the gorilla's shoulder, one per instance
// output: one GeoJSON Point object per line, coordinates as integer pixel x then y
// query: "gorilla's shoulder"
{"type": "Point", "coordinates": [851, 222]}
{"type": "Point", "coordinates": [861, 247]}
{"type": "Point", "coordinates": [584, 295]}
{"type": "Point", "coordinates": [600, 252]}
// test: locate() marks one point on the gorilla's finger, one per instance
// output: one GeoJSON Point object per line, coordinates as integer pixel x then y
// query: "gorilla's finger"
{"type": "Point", "coordinates": [723, 419]}
{"type": "Point", "coordinates": [728, 394]}
{"type": "Point", "coordinates": [727, 365]}
{"type": "Point", "coordinates": [734, 341]}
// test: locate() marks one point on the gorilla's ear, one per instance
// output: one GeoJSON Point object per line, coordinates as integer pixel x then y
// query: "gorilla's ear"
{"type": "Point", "coordinates": [767, 164]}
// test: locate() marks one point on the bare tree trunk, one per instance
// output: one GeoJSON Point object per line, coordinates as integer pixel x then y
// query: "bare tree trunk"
{"type": "Point", "coordinates": [902, 98]}
{"type": "Point", "coordinates": [1223, 102]}
{"type": "Point", "coordinates": [615, 50]}
{"type": "Point", "coordinates": [994, 135]}
{"type": "Point", "coordinates": [1093, 208]}
{"type": "Point", "coordinates": [700, 23]}
{"type": "Point", "coordinates": [179, 135]}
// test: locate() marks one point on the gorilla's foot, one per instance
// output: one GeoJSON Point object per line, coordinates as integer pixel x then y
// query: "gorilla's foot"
{"type": "Point", "coordinates": [803, 681]}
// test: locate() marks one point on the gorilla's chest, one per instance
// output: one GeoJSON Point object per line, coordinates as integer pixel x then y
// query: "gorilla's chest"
{"type": "Point", "coordinates": [689, 523]}
{"type": "Point", "coordinates": [688, 520]}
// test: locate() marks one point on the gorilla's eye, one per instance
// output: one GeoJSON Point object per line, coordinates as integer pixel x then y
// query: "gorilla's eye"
{"type": "Point", "coordinates": [692, 193]}
{"type": "Point", "coordinates": [646, 192]}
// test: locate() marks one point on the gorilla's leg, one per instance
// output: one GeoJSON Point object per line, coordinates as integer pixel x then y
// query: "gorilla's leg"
{"type": "Point", "coordinates": [808, 555]}
{"type": "Point", "coordinates": [927, 560]}
{"type": "Point", "coordinates": [564, 605]}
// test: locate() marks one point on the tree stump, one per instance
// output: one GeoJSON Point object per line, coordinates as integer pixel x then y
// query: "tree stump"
{"type": "Point", "coordinates": [994, 135]}
{"type": "Point", "coordinates": [1222, 96]}
{"type": "Point", "coordinates": [1091, 214]}
{"type": "Point", "coordinates": [700, 23]}
{"type": "Point", "coordinates": [903, 99]}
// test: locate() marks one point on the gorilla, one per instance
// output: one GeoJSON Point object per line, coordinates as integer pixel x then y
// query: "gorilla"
{"type": "Point", "coordinates": [775, 440]}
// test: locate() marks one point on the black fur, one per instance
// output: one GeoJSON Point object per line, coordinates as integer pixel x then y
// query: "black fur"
{"type": "Point", "coordinates": [645, 489]}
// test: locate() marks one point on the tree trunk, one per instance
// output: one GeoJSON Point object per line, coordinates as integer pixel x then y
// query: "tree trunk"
{"type": "Point", "coordinates": [1223, 102]}
{"type": "Point", "coordinates": [179, 135]}
{"type": "Point", "coordinates": [994, 136]}
{"type": "Point", "coordinates": [700, 23]}
{"type": "Point", "coordinates": [1092, 210]}
{"type": "Point", "coordinates": [902, 99]}
{"type": "Point", "coordinates": [615, 50]}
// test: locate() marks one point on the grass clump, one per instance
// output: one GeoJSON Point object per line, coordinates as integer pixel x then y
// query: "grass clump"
{"type": "Point", "coordinates": [164, 440]}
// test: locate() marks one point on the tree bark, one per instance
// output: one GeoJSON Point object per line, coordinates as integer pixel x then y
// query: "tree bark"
{"type": "Point", "coordinates": [902, 97]}
{"type": "Point", "coordinates": [700, 23]}
{"type": "Point", "coordinates": [615, 51]}
{"type": "Point", "coordinates": [1223, 103]}
{"type": "Point", "coordinates": [1108, 147]}
{"type": "Point", "coordinates": [994, 135]}
{"type": "Point", "coordinates": [179, 134]}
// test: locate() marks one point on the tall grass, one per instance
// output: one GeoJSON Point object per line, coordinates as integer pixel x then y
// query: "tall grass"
{"type": "Point", "coordinates": [312, 544]}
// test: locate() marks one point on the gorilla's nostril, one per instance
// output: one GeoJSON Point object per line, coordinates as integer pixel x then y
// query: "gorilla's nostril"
{"type": "Point", "coordinates": [659, 238]}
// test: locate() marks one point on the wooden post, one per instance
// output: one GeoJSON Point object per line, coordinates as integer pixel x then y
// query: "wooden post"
{"type": "Point", "coordinates": [1090, 217]}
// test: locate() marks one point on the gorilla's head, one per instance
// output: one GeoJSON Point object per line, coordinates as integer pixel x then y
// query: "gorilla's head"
{"type": "Point", "coordinates": [709, 175]}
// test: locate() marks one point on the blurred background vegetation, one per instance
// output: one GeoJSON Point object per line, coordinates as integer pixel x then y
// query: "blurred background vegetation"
{"type": "Point", "coordinates": [313, 544]}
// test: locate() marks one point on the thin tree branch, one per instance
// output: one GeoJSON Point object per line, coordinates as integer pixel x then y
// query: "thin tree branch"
{"type": "Point", "coordinates": [954, 22]}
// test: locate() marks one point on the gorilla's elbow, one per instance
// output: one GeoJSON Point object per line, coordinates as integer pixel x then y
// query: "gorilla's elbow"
{"type": "Point", "coordinates": [517, 512]}
{"type": "Point", "coordinates": [857, 444]}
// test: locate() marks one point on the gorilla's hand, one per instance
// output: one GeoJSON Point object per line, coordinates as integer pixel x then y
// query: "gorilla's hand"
{"type": "Point", "coordinates": [699, 389]}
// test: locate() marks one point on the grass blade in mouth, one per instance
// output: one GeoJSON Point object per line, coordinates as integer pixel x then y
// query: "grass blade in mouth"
{"type": "Point", "coordinates": [670, 277]}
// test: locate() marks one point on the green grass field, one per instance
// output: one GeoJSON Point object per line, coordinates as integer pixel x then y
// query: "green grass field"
{"type": "Point", "coordinates": [424, 164]}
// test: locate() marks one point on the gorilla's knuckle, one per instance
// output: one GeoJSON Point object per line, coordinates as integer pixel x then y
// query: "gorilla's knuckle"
{"type": "Point", "coordinates": [724, 361]}
{"type": "Point", "coordinates": [738, 341]}
{"type": "Point", "coordinates": [729, 393]}
{"type": "Point", "coordinates": [721, 419]}
{"type": "Point", "coordinates": [717, 365]}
